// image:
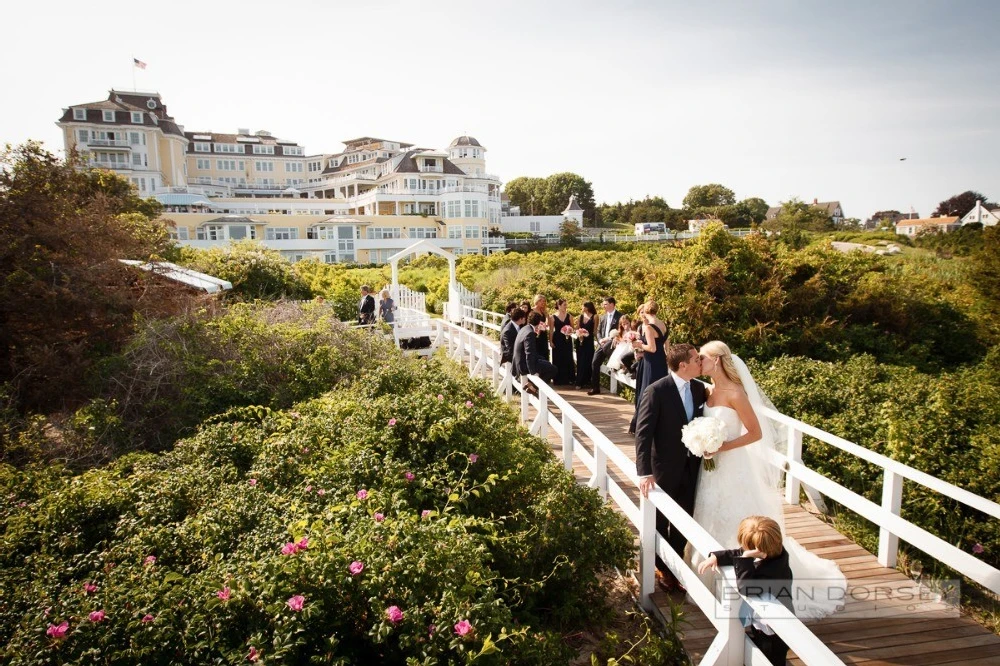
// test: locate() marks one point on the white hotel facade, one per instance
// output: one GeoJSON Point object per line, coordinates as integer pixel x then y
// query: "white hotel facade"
{"type": "Point", "coordinates": [362, 204]}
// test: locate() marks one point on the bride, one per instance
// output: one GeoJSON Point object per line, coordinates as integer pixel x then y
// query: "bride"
{"type": "Point", "coordinates": [744, 483]}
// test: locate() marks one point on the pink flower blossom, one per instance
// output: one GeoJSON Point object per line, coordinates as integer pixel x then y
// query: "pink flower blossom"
{"type": "Point", "coordinates": [309, 489]}
{"type": "Point", "coordinates": [425, 513]}
{"type": "Point", "coordinates": [379, 517]}
{"type": "Point", "coordinates": [254, 655]}
{"type": "Point", "coordinates": [289, 549]}
{"type": "Point", "coordinates": [431, 628]}
{"type": "Point", "coordinates": [473, 457]}
{"type": "Point", "coordinates": [440, 397]}
{"type": "Point", "coordinates": [463, 628]}
{"type": "Point", "coordinates": [297, 602]}
{"type": "Point", "coordinates": [305, 449]}
{"type": "Point", "coordinates": [392, 422]}
{"type": "Point", "coordinates": [362, 494]}
{"type": "Point", "coordinates": [147, 618]}
{"type": "Point", "coordinates": [303, 544]}
{"type": "Point", "coordinates": [21, 505]}
{"type": "Point", "coordinates": [150, 560]}
{"type": "Point", "coordinates": [468, 403]}
{"type": "Point", "coordinates": [96, 616]}
{"type": "Point", "coordinates": [482, 395]}
{"type": "Point", "coordinates": [978, 549]}
{"type": "Point", "coordinates": [394, 614]}
{"type": "Point", "coordinates": [89, 588]}
{"type": "Point", "coordinates": [295, 415]}
{"type": "Point", "coordinates": [224, 594]}
{"type": "Point", "coordinates": [321, 492]}
{"type": "Point", "coordinates": [410, 476]}
{"type": "Point", "coordinates": [356, 567]}
{"type": "Point", "coordinates": [252, 482]}
{"type": "Point", "coordinates": [57, 631]}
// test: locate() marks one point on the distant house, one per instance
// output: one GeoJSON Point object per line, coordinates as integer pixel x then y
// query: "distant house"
{"type": "Point", "coordinates": [698, 225]}
{"type": "Point", "coordinates": [893, 217]}
{"type": "Point", "coordinates": [942, 225]}
{"type": "Point", "coordinates": [984, 216]}
{"type": "Point", "coordinates": [832, 209]}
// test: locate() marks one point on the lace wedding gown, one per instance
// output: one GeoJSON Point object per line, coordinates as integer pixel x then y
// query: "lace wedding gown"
{"type": "Point", "coordinates": [733, 491]}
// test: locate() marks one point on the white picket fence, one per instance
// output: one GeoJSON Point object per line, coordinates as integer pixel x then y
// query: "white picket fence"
{"type": "Point", "coordinates": [482, 355]}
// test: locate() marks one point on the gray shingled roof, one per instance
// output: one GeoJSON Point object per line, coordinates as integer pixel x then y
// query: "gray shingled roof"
{"type": "Point", "coordinates": [465, 140]}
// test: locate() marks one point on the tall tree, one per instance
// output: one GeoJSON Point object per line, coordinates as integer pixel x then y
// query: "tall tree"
{"type": "Point", "coordinates": [528, 193]}
{"type": "Point", "coordinates": [709, 196]}
{"type": "Point", "coordinates": [797, 216]}
{"type": "Point", "coordinates": [560, 186]}
{"type": "Point", "coordinates": [960, 204]}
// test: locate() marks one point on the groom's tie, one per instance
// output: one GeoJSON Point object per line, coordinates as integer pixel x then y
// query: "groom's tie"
{"type": "Point", "coordinates": [687, 400]}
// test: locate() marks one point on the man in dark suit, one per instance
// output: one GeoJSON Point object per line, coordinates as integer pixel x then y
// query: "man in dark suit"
{"type": "Point", "coordinates": [366, 306]}
{"type": "Point", "coordinates": [508, 334]}
{"type": "Point", "coordinates": [668, 405]}
{"type": "Point", "coordinates": [506, 317]}
{"type": "Point", "coordinates": [605, 343]}
{"type": "Point", "coordinates": [526, 358]}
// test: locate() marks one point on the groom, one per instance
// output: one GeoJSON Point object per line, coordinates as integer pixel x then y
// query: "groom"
{"type": "Point", "coordinates": [666, 407]}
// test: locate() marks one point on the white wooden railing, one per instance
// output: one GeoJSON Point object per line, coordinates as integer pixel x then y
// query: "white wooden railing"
{"type": "Point", "coordinates": [730, 646]}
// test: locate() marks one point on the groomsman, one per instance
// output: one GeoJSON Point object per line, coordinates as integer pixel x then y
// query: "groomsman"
{"type": "Point", "coordinates": [366, 306]}
{"type": "Point", "coordinates": [508, 334]}
{"type": "Point", "coordinates": [526, 358]}
{"type": "Point", "coordinates": [605, 342]}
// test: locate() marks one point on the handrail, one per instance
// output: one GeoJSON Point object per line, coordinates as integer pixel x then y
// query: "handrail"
{"type": "Point", "coordinates": [730, 645]}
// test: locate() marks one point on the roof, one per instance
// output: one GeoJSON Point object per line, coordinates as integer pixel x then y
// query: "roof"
{"type": "Point", "coordinates": [182, 200]}
{"type": "Point", "coordinates": [407, 164]}
{"type": "Point", "coordinates": [465, 140]}
{"type": "Point", "coordinates": [233, 219]}
{"type": "Point", "coordinates": [363, 140]}
{"type": "Point", "coordinates": [183, 275]}
{"type": "Point", "coordinates": [573, 206]}
{"type": "Point", "coordinates": [929, 222]}
{"type": "Point", "coordinates": [217, 137]}
{"type": "Point", "coordinates": [124, 105]}
{"type": "Point", "coordinates": [828, 206]}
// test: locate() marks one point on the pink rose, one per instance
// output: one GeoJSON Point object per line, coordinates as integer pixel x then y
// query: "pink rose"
{"type": "Point", "coordinates": [57, 631]}
{"type": "Point", "coordinates": [468, 403]}
{"type": "Point", "coordinates": [89, 588]}
{"type": "Point", "coordinates": [463, 628]}
{"type": "Point", "coordinates": [254, 655]}
{"type": "Point", "coordinates": [150, 560]}
{"type": "Point", "coordinates": [431, 628]}
{"type": "Point", "coordinates": [978, 549]}
{"type": "Point", "coordinates": [440, 397]}
{"type": "Point", "coordinates": [362, 494]}
{"type": "Point", "coordinates": [297, 602]}
{"type": "Point", "coordinates": [309, 489]}
{"type": "Point", "coordinates": [482, 395]}
{"type": "Point", "coordinates": [379, 517]}
{"type": "Point", "coordinates": [425, 513]}
{"type": "Point", "coordinates": [356, 567]}
{"type": "Point", "coordinates": [392, 422]}
{"type": "Point", "coordinates": [394, 614]}
{"type": "Point", "coordinates": [289, 549]}
{"type": "Point", "coordinates": [410, 476]}
{"type": "Point", "coordinates": [303, 544]}
{"type": "Point", "coordinates": [321, 492]}
{"type": "Point", "coordinates": [96, 616]}
{"type": "Point", "coordinates": [566, 330]}
{"type": "Point", "coordinates": [473, 457]}
{"type": "Point", "coordinates": [252, 482]}
{"type": "Point", "coordinates": [147, 618]}
{"type": "Point", "coordinates": [224, 594]}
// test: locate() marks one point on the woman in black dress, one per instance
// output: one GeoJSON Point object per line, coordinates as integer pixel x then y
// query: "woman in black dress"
{"type": "Point", "coordinates": [653, 344]}
{"type": "Point", "coordinates": [562, 344]}
{"type": "Point", "coordinates": [541, 306]}
{"type": "Point", "coordinates": [585, 344]}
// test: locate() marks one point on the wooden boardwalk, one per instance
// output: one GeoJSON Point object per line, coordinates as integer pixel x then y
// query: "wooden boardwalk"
{"type": "Point", "coordinates": [880, 623]}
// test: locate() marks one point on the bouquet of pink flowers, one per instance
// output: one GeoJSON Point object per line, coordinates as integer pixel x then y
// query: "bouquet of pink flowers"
{"type": "Point", "coordinates": [566, 330]}
{"type": "Point", "coordinates": [630, 336]}
{"type": "Point", "coordinates": [582, 333]}
{"type": "Point", "coordinates": [543, 327]}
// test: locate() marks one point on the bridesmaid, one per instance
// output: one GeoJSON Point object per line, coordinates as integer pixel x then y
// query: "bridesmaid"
{"type": "Point", "coordinates": [541, 306]}
{"type": "Point", "coordinates": [653, 344]}
{"type": "Point", "coordinates": [585, 344]}
{"type": "Point", "coordinates": [562, 344]}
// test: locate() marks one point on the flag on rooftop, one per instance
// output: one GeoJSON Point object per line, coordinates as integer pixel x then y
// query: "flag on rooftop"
{"type": "Point", "coordinates": [138, 63]}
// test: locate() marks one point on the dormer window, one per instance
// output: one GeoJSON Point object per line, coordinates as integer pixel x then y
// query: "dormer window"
{"type": "Point", "coordinates": [137, 117]}
{"type": "Point", "coordinates": [109, 116]}
{"type": "Point", "coordinates": [79, 114]}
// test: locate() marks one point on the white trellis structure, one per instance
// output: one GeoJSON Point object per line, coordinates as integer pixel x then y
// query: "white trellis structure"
{"type": "Point", "coordinates": [453, 308]}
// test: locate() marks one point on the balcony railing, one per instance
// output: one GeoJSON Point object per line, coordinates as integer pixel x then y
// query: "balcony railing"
{"type": "Point", "coordinates": [109, 143]}
{"type": "Point", "coordinates": [431, 168]}
{"type": "Point", "coordinates": [117, 166]}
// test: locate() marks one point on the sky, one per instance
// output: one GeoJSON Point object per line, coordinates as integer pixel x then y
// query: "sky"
{"type": "Point", "coordinates": [772, 98]}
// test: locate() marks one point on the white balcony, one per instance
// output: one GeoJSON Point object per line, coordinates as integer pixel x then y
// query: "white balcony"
{"type": "Point", "coordinates": [110, 143]}
{"type": "Point", "coordinates": [303, 244]}
{"type": "Point", "coordinates": [116, 166]}
{"type": "Point", "coordinates": [431, 169]}
{"type": "Point", "coordinates": [403, 243]}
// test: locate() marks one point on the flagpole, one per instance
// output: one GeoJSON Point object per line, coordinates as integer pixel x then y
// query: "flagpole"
{"type": "Point", "coordinates": [134, 89]}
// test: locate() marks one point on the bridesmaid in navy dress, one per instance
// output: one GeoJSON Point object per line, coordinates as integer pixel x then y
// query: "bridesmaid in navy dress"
{"type": "Point", "coordinates": [562, 344]}
{"type": "Point", "coordinates": [541, 306]}
{"type": "Point", "coordinates": [585, 345]}
{"type": "Point", "coordinates": [653, 343]}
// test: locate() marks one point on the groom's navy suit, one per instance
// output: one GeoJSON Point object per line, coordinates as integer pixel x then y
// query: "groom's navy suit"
{"type": "Point", "coordinates": [659, 450]}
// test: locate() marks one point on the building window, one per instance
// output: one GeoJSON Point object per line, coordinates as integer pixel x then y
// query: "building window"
{"type": "Point", "coordinates": [83, 135]}
{"type": "Point", "coordinates": [455, 231]}
{"type": "Point", "coordinates": [109, 116]}
{"type": "Point", "coordinates": [263, 150]}
{"type": "Point", "coordinates": [293, 167]}
{"type": "Point", "coordinates": [535, 227]}
{"type": "Point", "coordinates": [264, 166]}
{"type": "Point", "coordinates": [471, 208]}
{"type": "Point", "coordinates": [212, 232]}
{"type": "Point", "coordinates": [136, 159]}
{"type": "Point", "coordinates": [330, 258]}
{"type": "Point", "coordinates": [291, 150]}
{"type": "Point", "coordinates": [137, 117]}
{"type": "Point", "coordinates": [79, 114]}
{"type": "Point", "coordinates": [204, 164]}
{"type": "Point", "coordinates": [227, 148]}
{"type": "Point", "coordinates": [423, 232]}
{"type": "Point", "coordinates": [471, 231]}
{"type": "Point", "coordinates": [281, 233]}
{"type": "Point", "coordinates": [226, 165]}
{"type": "Point", "coordinates": [133, 138]}
{"type": "Point", "coordinates": [202, 147]}
{"type": "Point", "coordinates": [382, 233]}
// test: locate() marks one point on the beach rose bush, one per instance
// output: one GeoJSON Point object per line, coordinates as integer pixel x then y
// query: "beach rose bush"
{"type": "Point", "coordinates": [354, 540]}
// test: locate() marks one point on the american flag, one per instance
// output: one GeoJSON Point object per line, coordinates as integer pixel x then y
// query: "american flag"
{"type": "Point", "coordinates": [138, 63]}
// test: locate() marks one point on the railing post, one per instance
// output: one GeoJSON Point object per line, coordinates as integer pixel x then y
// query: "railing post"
{"type": "Point", "coordinates": [600, 478]}
{"type": "Point", "coordinates": [794, 454]}
{"type": "Point", "coordinates": [892, 500]}
{"type": "Point", "coordinates": [543, 415]}
{"type": "Point", "coordinates": [525, 403]}
{"type": "Point", "coordinates": [612, 381]}
{"type": "Point", "coordinates": [647, 553]}
{"type": "Point", "coordinates": [567, 442]}
{"type": "Point", "coordinates": [496, 369]}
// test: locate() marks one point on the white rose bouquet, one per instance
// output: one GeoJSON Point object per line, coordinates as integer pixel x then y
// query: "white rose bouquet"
{"type": "Point", "coordinates": [704, 435]}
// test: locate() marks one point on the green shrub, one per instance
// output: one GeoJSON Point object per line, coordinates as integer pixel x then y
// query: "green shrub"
{"type": "Point", "coordinates": [255, 271]}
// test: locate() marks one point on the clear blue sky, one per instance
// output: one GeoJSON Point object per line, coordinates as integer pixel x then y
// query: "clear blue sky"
{"type": "Point", "coordinates": [772, 98]}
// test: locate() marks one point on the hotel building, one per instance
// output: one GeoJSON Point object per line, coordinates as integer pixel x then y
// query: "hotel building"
{"type": "Point", "coordinates": [361, 205]}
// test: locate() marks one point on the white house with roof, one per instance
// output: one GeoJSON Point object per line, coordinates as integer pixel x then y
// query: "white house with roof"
{"type": "Point", "coordinates": [542, 225]}
{"type": "Point", "coordinates": [985, 216]}
{"type": "Point", "coordinates": [913, 228]}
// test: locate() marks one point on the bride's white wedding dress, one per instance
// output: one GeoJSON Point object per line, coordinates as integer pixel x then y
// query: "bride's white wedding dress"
{"type": "Point", "coordinates": [738, 488]}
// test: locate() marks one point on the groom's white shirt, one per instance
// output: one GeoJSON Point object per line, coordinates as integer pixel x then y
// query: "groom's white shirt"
{"type": "Point", "coordinates": [680, 391]}
{"type": "Point", "coordinates": [606, 324]}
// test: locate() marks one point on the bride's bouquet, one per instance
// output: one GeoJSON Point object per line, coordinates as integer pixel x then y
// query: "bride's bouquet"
{"type": "Point", "coordinates": [581, 333]}
{"type": "Point", "coordinates": [704, 435]}
{"type": "Point", "coordinates": [566, 330]}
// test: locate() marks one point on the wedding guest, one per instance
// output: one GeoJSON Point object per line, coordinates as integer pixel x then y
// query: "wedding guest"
{"type": "Point", "coordinates": [366, 306]}
{"type": "Point", "coordinates": [605, 342]}
{"type": "Point", "coordinates": [562, 344]}
{"type": "Point", "coordinates": [508, 335]}
{"type": "Point", "coordinates": [540, 305]}
{"type": "Point", "coordinates": [386, 308]}
{"type": "Point", "coordinates": [653, 345]}
{"type": "Point", "coordinates": [526, 358]}
{"type": "Point", "coordinates": [526, 306]}
{"type": "Point", "coordinates": [762, 570]}
{"type": "Point", "coordinates": [585, 326]}
{"type": "Point", "coordinates": [506, 317]}
{"type": "Point", "coordinates": [623, 355]}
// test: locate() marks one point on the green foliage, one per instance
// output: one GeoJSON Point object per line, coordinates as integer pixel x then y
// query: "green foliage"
{"type": "Point", "coordinates": [255, 271]}
{"type": "Point", "coordinates": [960, 204]}
{"type": "Point", "coordinates": [569, 233]}
{"type": "Point", "coordinates": [709, 196]}
{"type": "Point", "coordinates": [549, 196]}
{"type": "Point", "coordinates": [985, 273]}
{"type": "Point", "coordinates": [489, 530]}
{"type": "Point", "coordinates": [966, 240]}
{"type": "Point", "coordinates": [797, 217]}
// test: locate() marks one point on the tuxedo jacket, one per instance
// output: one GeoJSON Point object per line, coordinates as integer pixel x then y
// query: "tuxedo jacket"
{"type": "Point", "coordinates": [658, 447]}
{"type": "Point", "coordinates": [508, 336]}
{"type": "Point", "coordinates": [526, 352]}
{"type": "Point", "coordinates": [367, 309]}
{"type": "Point", "coordinates": [772, 575]}
{"type": "Point", "coordinates": [600, 332]}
